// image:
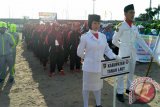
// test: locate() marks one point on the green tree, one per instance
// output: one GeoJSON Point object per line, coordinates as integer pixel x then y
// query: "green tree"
{"type": "Point", "coordinates": [157, 11]}
{"type": "Point", "coordinates": [150, 13]}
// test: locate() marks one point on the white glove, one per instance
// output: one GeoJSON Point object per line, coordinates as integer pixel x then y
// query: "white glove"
{"type": "Point", "coordinates": [118, 57]}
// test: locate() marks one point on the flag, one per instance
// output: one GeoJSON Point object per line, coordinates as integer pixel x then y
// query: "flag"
{"type": "Point", "coordinates": [157, 50]}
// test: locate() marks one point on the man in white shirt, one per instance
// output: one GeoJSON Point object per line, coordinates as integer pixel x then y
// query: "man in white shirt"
{"type": "Point", "coordinates": [125, 37]}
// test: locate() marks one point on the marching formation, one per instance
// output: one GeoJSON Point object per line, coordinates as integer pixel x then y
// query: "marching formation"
{"type": "Point", "coordinates": [55, 43]}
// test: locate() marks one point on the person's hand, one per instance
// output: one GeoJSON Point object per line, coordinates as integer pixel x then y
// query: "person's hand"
{"type": "Point", "coordinates": [82, 61]}
{"type": "Point", "coordinates": [118, 57]}
{"type": "Point", "coordinates": [152, 53]}
{"type": "Point", "coordinates": [153, 56]}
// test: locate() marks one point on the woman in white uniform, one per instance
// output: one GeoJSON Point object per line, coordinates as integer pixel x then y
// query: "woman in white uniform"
{"type": "Point", "coordinates": [93, 45]}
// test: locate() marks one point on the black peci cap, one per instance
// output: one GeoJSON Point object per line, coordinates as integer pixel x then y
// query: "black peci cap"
{"type": "Point", "coordinates": [92, 18]}
{"type": "Point", "coordinates": [128, 7]}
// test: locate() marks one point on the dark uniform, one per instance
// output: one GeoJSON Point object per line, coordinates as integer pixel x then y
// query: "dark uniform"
{"type": "Point", "coordinates": [84, 28]}
{"type": "Point", "coordinates": [35, 41]}
{"type": "Point", "coordinates": [65, 42]}
{"type": "Point", "coordinates": [55, 41]}
{"type": "Point", "coordinates": [75, 61]}
{"type": "Point", "coordinates": [43, 48]}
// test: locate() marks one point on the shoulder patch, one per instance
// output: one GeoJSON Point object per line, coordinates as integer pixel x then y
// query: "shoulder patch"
{"type": "Point", "coordinates": [117, 27]}
{"type": "Point", "coordinates": [119, 24]}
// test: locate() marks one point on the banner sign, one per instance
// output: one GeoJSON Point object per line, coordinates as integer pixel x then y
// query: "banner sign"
{"type": "Point", "coordinates": [49, 16]}
{"type": "Point", "coordinates": [143, 56]}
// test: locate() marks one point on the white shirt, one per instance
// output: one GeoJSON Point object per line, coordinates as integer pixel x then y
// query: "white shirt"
{"type": "Point", "coordinates": [126, 37]}
{"type": "Point", "coordinates": [94, 51]}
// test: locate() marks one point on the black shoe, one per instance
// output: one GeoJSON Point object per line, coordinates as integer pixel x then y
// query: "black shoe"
{"type": "Point", "coordinates": [11, 80]}
{"type": "Point", "coordinates": [128, 91]}
{"type": "Point", "coordinates": [99, 106]}
{"type": "Point", "coordinates": [120, 97]}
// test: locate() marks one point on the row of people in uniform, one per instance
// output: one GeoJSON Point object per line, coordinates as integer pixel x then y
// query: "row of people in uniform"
{"type": "Point", "coordinates": [58, 43]}
{"type": "Point", "coordinates": [55, 44]}
{"type": "Point", "coordinates": [8, 41]}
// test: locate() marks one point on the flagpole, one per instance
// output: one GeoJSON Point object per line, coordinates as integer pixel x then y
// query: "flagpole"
{"type": "Point", "coordinates": [114, 91]}
{"type": "Point", "coordinates": [150, 64]}
{"type": "Point", "coordinates": [149, 67]}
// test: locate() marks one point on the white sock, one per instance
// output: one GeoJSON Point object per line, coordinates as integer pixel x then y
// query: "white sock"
{"type": "Point", "coordinates": [97, 95]}
{"type": "Point", "coordinates": [85, 97]}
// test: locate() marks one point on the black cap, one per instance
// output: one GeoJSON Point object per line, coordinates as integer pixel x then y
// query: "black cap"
{"type": "Point", "coordinates": [128, 7]}
{"type": "Point", "coordinates": [92, 18]}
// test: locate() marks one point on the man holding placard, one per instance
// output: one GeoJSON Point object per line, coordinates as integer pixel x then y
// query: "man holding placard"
{"type": "Point", "coordinates": [125, 37]}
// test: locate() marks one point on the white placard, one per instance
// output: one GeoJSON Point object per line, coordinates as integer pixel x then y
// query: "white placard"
{"type": "Point", "coordinates": [115, 67]}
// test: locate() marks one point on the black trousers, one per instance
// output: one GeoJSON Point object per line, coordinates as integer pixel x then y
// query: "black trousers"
{"type": "Point", "coordinates": [44, 53]}
{"type": "Point", "coordinates": [66, 54]}
{"type": "Point", "coordinates": [35, 46]}
{"type": "Point", "coordinates": [56, 59]}
{"type": "Point", "coordinates": [75, 61]}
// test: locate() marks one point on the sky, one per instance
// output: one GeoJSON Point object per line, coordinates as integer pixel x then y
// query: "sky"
{"type": "Point", "coordinates": [71, 9]}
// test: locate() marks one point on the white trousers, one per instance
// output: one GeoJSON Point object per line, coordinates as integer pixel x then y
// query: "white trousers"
{"type": "Point", "coordinates": [120, 81]}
